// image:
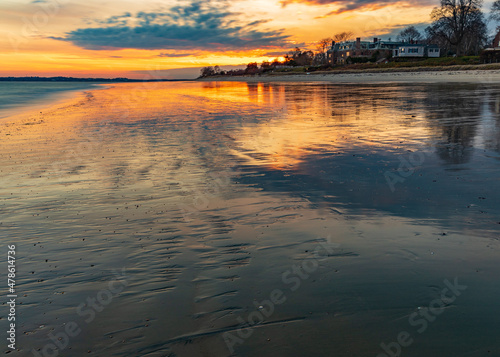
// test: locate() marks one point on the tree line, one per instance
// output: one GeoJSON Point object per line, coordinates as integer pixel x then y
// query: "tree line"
{"type": "Point", "coordinates": [459, 27]}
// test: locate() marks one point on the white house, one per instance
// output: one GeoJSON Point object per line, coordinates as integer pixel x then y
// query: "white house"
{"type": "Point", "coordinates": [433, 51]}
{"type": "Point", "coordinates": [339, 53]}
{"type": "Point", "coordinates": [416, 50]}
{"type": "Point", "coordinates": [411, 51]}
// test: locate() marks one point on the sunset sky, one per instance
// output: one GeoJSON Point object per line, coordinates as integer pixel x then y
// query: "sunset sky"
{"type": "Point", "coordinates": [174, 38]}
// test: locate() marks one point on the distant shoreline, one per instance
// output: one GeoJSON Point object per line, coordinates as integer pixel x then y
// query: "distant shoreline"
{"type": "Point", "coordinates": [89, 80]}
{"type": "Point", "coordinates": [468, 73]}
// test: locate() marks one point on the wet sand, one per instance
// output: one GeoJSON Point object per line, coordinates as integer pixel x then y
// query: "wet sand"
{"type": "Point", "coordinates": [357, 202]}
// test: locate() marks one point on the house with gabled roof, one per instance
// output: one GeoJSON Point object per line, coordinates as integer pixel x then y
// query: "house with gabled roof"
{"type": "Point", "coordinates": [406, 50]}
{"type": "Point", "coordinates": [339, 53]}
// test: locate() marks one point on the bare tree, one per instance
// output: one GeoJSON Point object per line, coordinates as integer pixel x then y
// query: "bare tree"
{"type": "Point", "coordinates": [495, 10]}
{"type": "Point", "coordinates": [325, 43]}
{"type": "Point", "coordinates": [410, 34]}
{"type": "Point", "coordinates": [297, 57]}
{"type": "Point", "coordinates": [455, 20]}
{"type": "Point", "coordinates": [305, 58]}
{"type": "Point", "coordinates": [322, 47]}
{"type": "Point", "coordinates": [476, 37]}
{"type": "Point", "coordinates": [343, 36]}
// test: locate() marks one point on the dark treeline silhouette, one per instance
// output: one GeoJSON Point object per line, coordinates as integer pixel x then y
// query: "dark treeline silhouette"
{"type": "Point", "coordinates": [73, 79]}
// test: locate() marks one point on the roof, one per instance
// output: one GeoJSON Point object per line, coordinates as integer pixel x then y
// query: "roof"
{"type": "Point", "coordinates": [412, 45]}
{"type": "Point", "coordinates": [390, 42]}
{"type": "Point", "coordinates": [418, 45]}
{"type": "Point", "coordinates": [379, 45]}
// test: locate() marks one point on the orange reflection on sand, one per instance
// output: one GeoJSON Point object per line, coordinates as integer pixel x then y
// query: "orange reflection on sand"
{"type": "Point", "coordinates": [314, 119]}
{"type": "Point", "coordinates": [261, 123]}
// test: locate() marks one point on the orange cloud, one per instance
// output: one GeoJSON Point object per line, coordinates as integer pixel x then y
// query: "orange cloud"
{"type": "Point", "coordinates": [345, 6]}
{"type": "Point", "coordinates": [126, 38]}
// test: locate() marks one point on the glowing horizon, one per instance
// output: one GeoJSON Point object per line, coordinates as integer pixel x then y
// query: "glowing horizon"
{"type": "Point", "coordinates": [165, 38]}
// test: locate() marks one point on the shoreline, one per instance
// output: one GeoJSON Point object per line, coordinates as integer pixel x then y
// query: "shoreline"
{"type": "Point", "coordinates": [50, 102]}
{"type": "Point", "coordinates": [400, 75]}
{"type": "Point", "coordinates": [56, 99]}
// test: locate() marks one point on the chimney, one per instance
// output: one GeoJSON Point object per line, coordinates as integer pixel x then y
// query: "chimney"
{"type": "Point", "coordinates": [358, 43]}
{"type": "Point", "coordinates": [375, 40]}
{"type": "Point", "coordinates": [496, 41]}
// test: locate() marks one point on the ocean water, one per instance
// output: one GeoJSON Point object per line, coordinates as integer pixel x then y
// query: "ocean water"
{"type": "Point", "coordinates": [19, 95]}
{"type": "Point", "coordinates": [219, 219]}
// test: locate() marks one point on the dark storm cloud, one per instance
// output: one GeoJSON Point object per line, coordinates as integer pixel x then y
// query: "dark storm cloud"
{"type": "Point", "coordinates": [351, 5]}
{"type": "Point", "coordinates": [200, 25]}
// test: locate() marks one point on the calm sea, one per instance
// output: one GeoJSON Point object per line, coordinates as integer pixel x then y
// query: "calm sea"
{"type": "Point", "coordinates": [20, 95]}
{"type": "Point", "coordinates": [234, 219]}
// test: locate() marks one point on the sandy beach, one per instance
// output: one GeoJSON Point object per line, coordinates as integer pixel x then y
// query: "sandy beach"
{"type": "Point", "coordinates": [208, 197]}
{"type": "Point", "coordinates": [403, 76]}
{"type": "Point", "coordinates": [233, 178]}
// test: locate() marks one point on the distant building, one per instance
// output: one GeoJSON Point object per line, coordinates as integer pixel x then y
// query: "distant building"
{"type": "Point", "coordinates": [340, 52]}
{"type": "Point", "coordinates": [417, 50]}
{"type": "Point", "coordinates": [496, 41]}
{"type": "Point", "coordinates": [378, 49]}
{"type": "Point", "coordinates": [492, 54]}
